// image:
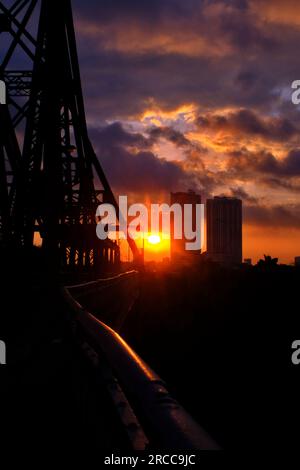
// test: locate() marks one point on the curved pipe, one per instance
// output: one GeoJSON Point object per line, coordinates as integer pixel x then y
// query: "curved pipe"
{"type": "Point", "coordinates": [167, 424]}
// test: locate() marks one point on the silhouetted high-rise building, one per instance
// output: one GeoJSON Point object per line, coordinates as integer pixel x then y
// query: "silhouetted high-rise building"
{"type": "Point", "coordinates": [179, 253]}
{"type": "Point", "coordinates": [224, 230]}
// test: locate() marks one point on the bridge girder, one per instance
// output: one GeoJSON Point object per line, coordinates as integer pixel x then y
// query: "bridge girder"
{"type": "Point", "coordinates": [56, 192]}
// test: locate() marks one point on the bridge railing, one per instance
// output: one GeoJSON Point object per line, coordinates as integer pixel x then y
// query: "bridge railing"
{"type": "Point", "coordinates": [163, 420]}
{"type": "Point", "coordinates": [117, 294]}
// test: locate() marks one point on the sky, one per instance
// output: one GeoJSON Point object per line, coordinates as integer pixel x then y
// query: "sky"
{"type": "Point", "coordinates": [196, 94]}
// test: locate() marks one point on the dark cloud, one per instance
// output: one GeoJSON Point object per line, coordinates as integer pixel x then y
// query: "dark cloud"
{"type": "Point", "coordinates": [132, 167]}
{"type": "Point", "coordinates": [276, 183]}
{"type": "Point", "coordinates": [170, 134]}
{"type": "Point", "coordinates": [107, 11]}
{"type": "Point", "coordinates": [142, 172]}
{"type": "Point", "coordinates": [243, 31]}
{"type": "Point", "coordinates": [115, 135]}
{"type": "Point", "coordinates": [290, 166]}
{"type": "Point", "coordinates": [217, 54]}
{"type": "Point", "coordinates": [248, 123]}
{"type": "Point", "coordinates": [239, 4]}
{"type": "Point", "coordinates": [277, 216]}
{"type": "Point", "coordinates": [214, 54]}
{"type": "Point", "coordinates": [136, 169]}
{"type": "Point", "coordinates": [244, 161]}
{"type": "Point", "coordinates": [247, 79]}
{"type": "Point", "coordinates": [240, 193]}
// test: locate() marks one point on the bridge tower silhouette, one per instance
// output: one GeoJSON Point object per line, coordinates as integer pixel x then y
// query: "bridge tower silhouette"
{"type": "Point", "coordinates": [50, 189]}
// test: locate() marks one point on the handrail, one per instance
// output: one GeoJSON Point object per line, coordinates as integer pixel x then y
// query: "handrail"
{"type": "Point", "coordinates": [169, 426]}
{"type": "Point", "coordinates": [104, 280]}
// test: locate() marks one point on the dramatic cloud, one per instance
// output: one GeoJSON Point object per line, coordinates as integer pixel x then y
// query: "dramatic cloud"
{"type": "Point", "coordinates": [212, 53]}
{"type": "Point", "coordinates": [240, 193]}
{"type": "Point", "coordinates": [170, 134]}
{"type": "Point", "coordinates": [264, 162]}
{"type": "Point", "coordinates": [276, 216]}
{"type": "Point", "coordinates": [248, 123]}
{"type": "Point", "coordinates": [230, 63]}
{"type": "Point", "coordinates": [114, 135]}
{"type": "Point", "coordinates": [132, 167]}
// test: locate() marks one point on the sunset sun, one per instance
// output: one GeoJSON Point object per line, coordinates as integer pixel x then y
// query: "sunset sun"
{"type": "Point", "coordinates": [154, 239]}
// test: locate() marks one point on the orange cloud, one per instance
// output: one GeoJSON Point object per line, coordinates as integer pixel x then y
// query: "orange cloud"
{"type": "Point", "coordinates": [136, 39]}
{"type": "Point", "coordinates": [278, 11]}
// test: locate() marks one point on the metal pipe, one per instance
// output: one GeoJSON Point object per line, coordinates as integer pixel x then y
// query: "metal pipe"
{"type": "Point", "coordinates": [167, 424]}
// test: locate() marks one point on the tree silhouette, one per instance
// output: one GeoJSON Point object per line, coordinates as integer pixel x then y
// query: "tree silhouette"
{"type": "Point", "coordinates": [268, 262]}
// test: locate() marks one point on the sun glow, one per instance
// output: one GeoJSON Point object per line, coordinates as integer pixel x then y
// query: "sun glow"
{"type": "Point", "coordinates": [156, 246]}
{"type": "Point", "coordinates": [154, 239]}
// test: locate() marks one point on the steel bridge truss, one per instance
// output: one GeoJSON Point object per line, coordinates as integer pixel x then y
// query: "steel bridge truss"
{"type": "Point", "coordinates": [48, 187]}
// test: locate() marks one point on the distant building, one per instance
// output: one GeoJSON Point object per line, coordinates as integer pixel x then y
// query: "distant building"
{"type": "Point", "coordinates": [248, 261]}
{"type": "Point", "coordinates": [179, 254]}
{"type": "Point", "coordinates": [297, 261]}
{"type": "Point", "coordinates": [224, 230]}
